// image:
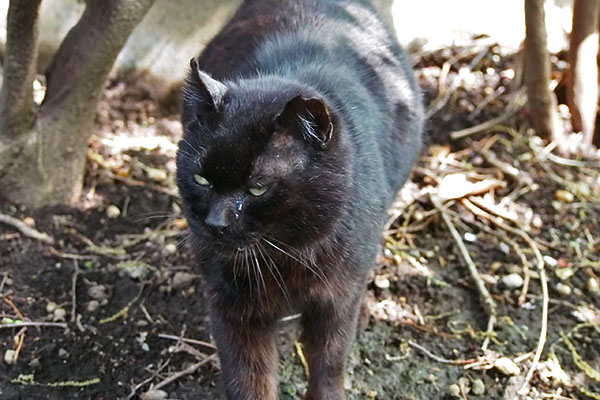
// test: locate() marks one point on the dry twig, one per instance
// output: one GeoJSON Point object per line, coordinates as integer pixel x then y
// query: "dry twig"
{"type": "Point", "coordinates": [544, 283]}
{"type": "Point", "coordinates": [32, 323]}
{"type": "Point", "coordinates": [186, 340]}
{"type": "Point", "coordinates": [25, 230]}
{"type": "Point", "coordinates": [511, 110]}
{"type": "Point", "coordinates": [189, 370]}
{"type": "Point", "coordinates": [436, 358]}
{"type": "Point", "coordinates": [74, 290]}
{"type": "Point", "coordinates": [489, 304]}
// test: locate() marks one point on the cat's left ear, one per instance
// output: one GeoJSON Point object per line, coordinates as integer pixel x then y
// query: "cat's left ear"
{"type": "Point", "coordinates": [311, 116]}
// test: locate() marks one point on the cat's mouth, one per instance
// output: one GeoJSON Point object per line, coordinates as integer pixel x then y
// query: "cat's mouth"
{"type": "Point", "coordinates": [238, 242]}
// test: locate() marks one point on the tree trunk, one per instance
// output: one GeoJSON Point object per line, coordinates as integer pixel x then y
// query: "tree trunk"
{"type": "Point", "coordinates": [44, 164]}
{"type": "Point", "coordinates": [537, 70]}
{"type": "Point", "coordinates": [16, 100]}
{"type": "Point", "coordinates": [582, 76]}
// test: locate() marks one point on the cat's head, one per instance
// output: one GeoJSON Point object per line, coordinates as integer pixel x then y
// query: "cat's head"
{"type": "Point", "coordinates": [260, 159]}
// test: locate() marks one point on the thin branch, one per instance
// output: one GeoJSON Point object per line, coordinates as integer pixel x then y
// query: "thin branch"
{"type": "Point", "coordinates": [189, 370]}
{"type": "Point", "coordinates": [511, 110]}
{"type": "Point", "coordinates": [544, 283]}
{"type": "Point", "coordinates": [436, 358]}
{"type": "Point", "coordinates": [25, 230]}
{"type": "Point", "coordinates": [489, 304]}
{"type": "Point", "coordinates": [186, 340]}
{"type": "Point", "coordinates": [74, 290]}
{"type": "Point", "coordinates": [31, 323]}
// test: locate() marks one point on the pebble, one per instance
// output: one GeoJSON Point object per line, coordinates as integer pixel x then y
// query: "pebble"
{"type": "Point", "coordinates": [170, 248]}
{"type": "Point", "coordinates": [512, 281]}
{"type": "Point", "coordinates": [382, 282]}
{"type": "Point", "coordinates": [505, 248]}
{"type": "Point", "coordinates": [93, 305]}
{"type": "Point", "coordinates": [50, 307]}
{"type": "Point", "coordinates": [34, 363]}
{"type": "Point", "coordinates": [495, 266]}
{"type": "Point", "coordinates": [98, 292]}
{"type": "Point", "coordinates": [182, 280]}
{"type": "Point", "coordinates": [552, 262]}
{"type": "Point", "coordinates": [593, 287]}
{"type": "Point", "coordinates": [564, 273]}
{"type": "Point", "coordinates": [419, 215]}
{"type": "Point", "coordinates": [557, 205]}
{"type": "Point", "coordinates": [564, 196]}
{"type": "Point", "coordinates": [489, 279]}
{"type": "Point", "coordinates": [113, 211]}
{"type": "Point", "coordinates": [154, 395]}
{"type": "Point", "coordinates": [145, 346]}
{"type": "Point", "coordinates": [9, 356]}
{"type": "Point", "coordinates": [563, 289]}
{"type": "Point", "coordinates": [478, 387]}
{"type": "Point", "coordinates": [137, 271]}
{"type": "Point", "coordinates": [513, 268]}
{"type": "Point", "coordinates": [470, 237]}
{"type": "Point", "coordinates": [454, 391]}
{"type": "Point", "coordinates": [62, 353]}
{"type": "Point", "coordinates": [465, 384]}
{"type": "Point", "coordinates": [60, 315]}
{"type": "Point", "coordinates": [583, 189]}
{"type": "Point", "coordinates": [387, 253]}
{"type": "Point", "coordinates": [507, 366]}
{"type": "Point", "coordinates": [157, 175]}
{"type": "Point", "coordinates": [537, 222]}
{"type": "Point", "coordinates": [30, 222]}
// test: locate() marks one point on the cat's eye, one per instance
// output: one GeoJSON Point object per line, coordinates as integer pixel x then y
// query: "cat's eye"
{"type": "Point", "coordinates": [258, 190]}
{"type": "Point", "coordinates": [200, 180]}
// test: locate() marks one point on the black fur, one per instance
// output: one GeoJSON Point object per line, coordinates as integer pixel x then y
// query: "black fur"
{"type": "Point", "coordinates": [315, 102]}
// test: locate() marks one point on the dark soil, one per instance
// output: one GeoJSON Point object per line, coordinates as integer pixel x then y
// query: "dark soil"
{"type": "Point", "coordinates": [120, 283]}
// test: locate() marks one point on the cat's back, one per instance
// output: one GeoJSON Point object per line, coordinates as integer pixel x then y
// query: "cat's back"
{"type": "Point", "coordinates": [259, 22]}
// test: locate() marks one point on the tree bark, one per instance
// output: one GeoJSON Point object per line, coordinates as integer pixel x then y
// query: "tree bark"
{"type": "Point", "coordinates": [582, 76]}
{"type": "Point", "coordinates": [537, 70]}
{"type": "Point", "coordinates": [51, 155]}
{"type": "Point", "coordinates": [20, 58]}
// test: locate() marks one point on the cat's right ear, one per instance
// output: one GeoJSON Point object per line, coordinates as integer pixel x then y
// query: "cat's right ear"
{"type": "Point", "coordinates": [311, 115]}
{"type": "Point", "coordinates": [209, 90]}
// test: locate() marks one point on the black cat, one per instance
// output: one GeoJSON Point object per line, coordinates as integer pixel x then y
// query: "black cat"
{"type": "Point", "coordinates": [302, 120]}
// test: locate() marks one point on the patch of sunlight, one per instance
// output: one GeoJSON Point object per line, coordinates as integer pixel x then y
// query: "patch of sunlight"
{"type": "Point", "coordinates": [433, 24]}
{"type": "Point", "coordinates": [119, 143]}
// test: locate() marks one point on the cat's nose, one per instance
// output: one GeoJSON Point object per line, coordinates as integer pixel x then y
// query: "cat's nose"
{"type": "Point", "coordinates": [217, 220]}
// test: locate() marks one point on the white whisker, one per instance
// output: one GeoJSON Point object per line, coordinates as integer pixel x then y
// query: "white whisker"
{"type": "Point", "coordinates": [248, 274]}
{"type": "Point", "coordinates": [314, 268]}
{"type": "Point", "coordinates": [272, 265]}
{"type": "Point", "coordinates": [259, 272]}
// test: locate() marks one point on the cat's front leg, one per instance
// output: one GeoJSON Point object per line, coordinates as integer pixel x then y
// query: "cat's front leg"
{"type": "Point", "coordinates": [248, 355]}
{"type": "Point", "coordinates": [328, 332]}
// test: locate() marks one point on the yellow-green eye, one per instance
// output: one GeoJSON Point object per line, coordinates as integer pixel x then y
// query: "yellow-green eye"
{"type": "Point", "coordinates": [258, 191]}
{"type": "Point", "coordinates": [200, 180]}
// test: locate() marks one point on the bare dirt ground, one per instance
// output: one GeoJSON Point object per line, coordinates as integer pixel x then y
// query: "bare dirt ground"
{"type": "Point", "coordinates": [109, 305]}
